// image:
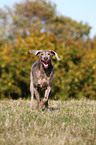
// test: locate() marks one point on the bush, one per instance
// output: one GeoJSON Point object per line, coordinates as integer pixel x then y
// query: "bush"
{"type": "Point", "coordinates": [75, 74]}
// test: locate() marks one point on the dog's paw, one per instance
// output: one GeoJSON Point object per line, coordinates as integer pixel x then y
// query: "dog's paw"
{"type": "Point", "coordinates": [31, 106]}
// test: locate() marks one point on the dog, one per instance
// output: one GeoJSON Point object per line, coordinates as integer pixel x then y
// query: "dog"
{"type": "Point", "coordinates": [42, 76]}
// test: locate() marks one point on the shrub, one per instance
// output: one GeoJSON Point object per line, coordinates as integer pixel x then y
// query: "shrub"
{"type": "Point", "coordinates": [75, 73]}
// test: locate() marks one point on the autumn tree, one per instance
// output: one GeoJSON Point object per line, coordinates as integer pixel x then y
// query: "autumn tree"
{"type": "Point", "coordinates": [34, 24]}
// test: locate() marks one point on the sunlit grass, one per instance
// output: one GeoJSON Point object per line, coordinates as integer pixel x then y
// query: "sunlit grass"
{"type": "Point", "coordinates": [67, 122]}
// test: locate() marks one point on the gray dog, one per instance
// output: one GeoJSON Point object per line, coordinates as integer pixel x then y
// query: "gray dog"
{"type": "Point", "coordinates": [42, 76]}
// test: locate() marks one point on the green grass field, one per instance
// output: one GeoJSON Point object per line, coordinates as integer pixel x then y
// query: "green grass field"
{"type": "Point", "coordinates": [66, 123]}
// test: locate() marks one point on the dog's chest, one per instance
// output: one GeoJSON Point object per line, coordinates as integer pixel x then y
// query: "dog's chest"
{"type": "Point", "coordinates": [41, 79]}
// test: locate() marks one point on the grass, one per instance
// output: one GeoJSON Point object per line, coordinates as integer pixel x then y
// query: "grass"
{"type": "Point", "coordinates": [67, 123]}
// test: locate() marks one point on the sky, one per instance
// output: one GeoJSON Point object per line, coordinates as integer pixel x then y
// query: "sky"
{"type": "Point", "coordinates": [79, 10]}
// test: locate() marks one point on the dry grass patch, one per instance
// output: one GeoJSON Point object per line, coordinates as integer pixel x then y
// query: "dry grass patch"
{"type": "Point", "coordinates": [67, 123]}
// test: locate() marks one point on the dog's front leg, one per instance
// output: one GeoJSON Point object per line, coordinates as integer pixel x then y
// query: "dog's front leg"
{"type": "Point", "coordinates": [45, 100]}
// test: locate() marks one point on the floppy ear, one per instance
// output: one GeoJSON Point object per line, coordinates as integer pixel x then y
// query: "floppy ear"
{"type": "Point", "coordinates": [54, 53]}
{"type": "Point", "coordinates": [35, 52]}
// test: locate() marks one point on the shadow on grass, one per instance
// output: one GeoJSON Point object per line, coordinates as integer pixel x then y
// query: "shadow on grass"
{"type": "Point", "coordinates": [51, 109]}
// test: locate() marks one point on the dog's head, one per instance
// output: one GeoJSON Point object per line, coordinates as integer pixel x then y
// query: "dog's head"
{"type": "Point", "coordinates": [45, 56]}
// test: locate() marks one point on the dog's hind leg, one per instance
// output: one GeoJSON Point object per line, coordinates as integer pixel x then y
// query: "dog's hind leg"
{"type": "Point", "coordinates": [46, 105]}
{"type": "Point", "coordinates": [32, 91]}
{"type": "Point", "coordinates": [37, 96]}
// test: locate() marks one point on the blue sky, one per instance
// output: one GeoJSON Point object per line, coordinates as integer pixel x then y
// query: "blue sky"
{"type": "Point", "coordinates": [79, 10]}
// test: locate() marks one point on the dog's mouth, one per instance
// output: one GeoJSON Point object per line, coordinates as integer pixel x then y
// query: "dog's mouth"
{"type": "Point", "coordinates": [45, 63]}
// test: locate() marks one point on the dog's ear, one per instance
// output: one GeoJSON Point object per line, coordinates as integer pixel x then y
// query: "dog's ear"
{"type": "Point", "coordinates": [54, 53]}
{"type": "Point", "coordinates": [35, 52]}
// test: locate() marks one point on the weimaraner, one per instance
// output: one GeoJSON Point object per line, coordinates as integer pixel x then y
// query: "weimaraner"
{"type": "Point", "coordinates": [42, 76]}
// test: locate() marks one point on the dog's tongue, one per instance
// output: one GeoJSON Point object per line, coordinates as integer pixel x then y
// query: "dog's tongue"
{"type": "Point", "coordinates": [45, 65]}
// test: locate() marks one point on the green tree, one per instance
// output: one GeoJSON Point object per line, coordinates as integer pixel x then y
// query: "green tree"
{"type": "Point", "coordinates": [41, 15]}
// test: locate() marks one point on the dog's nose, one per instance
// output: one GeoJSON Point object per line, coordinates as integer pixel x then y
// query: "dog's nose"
{"type": "Point", "coordinates": [45, 58]}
